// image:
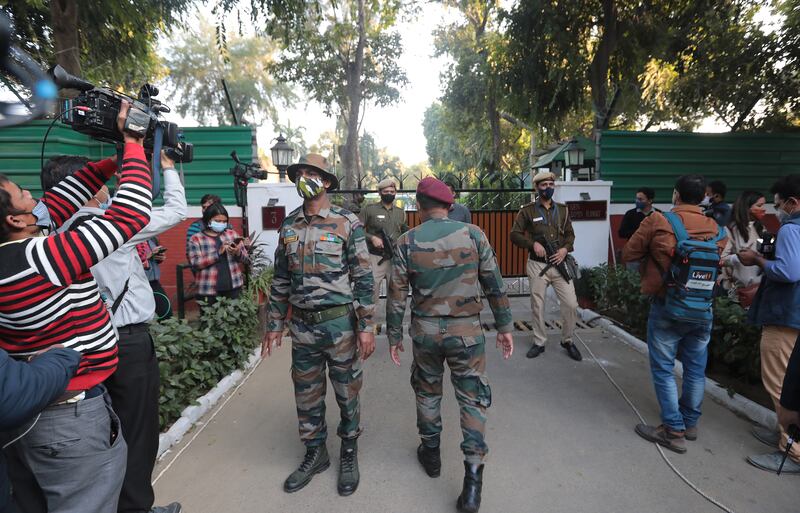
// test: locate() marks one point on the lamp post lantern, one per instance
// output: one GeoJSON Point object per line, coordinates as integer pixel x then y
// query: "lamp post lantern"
{"type": "Point", "coordinates": [573, 156]}
{"type": "Point", "coordinates": [282, 156]}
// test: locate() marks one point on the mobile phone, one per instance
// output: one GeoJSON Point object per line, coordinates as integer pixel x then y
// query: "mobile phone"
{"type": "Point", "coordinates": [237, 240]}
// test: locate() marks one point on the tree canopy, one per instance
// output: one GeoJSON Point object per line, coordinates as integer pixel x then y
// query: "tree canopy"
{"type": "Point", "coordinates": [197, 67]}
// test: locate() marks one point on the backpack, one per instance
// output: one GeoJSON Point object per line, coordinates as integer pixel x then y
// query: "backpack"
{"type": "Point", "coordinates": [692, 275]}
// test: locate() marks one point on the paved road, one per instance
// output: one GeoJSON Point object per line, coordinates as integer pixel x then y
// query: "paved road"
{"type": "Point", "coordinates": [561, 440]}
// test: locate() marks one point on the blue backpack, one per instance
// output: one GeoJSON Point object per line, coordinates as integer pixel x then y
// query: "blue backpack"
{"type": "Point", "coordinates": [692, 275]}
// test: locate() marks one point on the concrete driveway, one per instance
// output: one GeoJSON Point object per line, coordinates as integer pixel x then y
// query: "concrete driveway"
{"type": "Point", "coordinates": [561, 440]}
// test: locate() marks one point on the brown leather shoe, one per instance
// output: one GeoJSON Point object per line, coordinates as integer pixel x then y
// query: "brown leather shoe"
{"type": "Point", "coordinates": [691, 433]}
{"type": "Point", "coordinates": [663, 436]}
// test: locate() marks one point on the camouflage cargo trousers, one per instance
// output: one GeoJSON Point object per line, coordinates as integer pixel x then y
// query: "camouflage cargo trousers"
{"type": "Point", "coordinates": [460, 343]}
{"type": "Point", "coordinates": [330, 344]}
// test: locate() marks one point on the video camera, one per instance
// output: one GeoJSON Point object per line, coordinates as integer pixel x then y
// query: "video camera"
{"type": "Point", "coordinates": [766, 245]}
{"type": "Point", "coordinates": [94, 112]}
{"type": "Point", "coordinates": [244, 171]}
{"type": "Point", "coordinates": [183, 152]}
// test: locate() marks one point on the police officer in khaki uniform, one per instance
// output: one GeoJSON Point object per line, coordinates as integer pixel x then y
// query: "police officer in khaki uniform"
{"type": "Point", "coordinates": [387, 216]}
{"type": "Point", "coordinates": [322, 269]}
{"type": "Point", "coordinates": [544, 219]}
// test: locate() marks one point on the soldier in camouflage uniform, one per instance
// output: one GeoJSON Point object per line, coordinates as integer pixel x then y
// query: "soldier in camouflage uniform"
{"type": "Point", "coordinates": [322, 269]}
{"type": "Point", "coordinates": [445, 263]}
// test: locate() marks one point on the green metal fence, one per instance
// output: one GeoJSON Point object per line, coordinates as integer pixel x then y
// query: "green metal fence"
{"type": "Point", "coordinates": [21, 146]}
{"type": "Point", "coordinates": [656, 159]}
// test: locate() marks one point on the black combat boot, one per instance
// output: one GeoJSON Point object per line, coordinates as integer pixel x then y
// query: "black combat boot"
{"type": "Point", "coordinates": [348, 468]}
{"type": "Point", "coordinates": [315, 461]}
{"type": "Point", "coordinates": [470, 499]}
{"type": "Point", "coordinates": [430, 459]}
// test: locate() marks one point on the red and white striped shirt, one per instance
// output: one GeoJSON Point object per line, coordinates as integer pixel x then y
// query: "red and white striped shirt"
{"type": "Point", "coordinates": [48, 295]}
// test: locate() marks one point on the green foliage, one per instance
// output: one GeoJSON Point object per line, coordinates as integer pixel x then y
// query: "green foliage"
{"type": "Point", "coordinates": [192, 359]}
{"type": "Point", "coordinates": [734, 342]}
{"type": "Point", "coordinates": [647, 64]}
{"type": "Point", "coordinates": [197, 67]}
{"type": "Point", "coordinates": [616, 292]}
{"type": "Point", "coordinates": [117, 39]}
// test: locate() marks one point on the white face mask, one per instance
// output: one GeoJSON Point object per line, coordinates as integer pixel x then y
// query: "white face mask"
{"type": "Point", "coordinates": [706, 201]}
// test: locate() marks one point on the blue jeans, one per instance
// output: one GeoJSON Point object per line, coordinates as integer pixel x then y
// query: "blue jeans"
{"type": "Point", "coordinates": [667, 340]}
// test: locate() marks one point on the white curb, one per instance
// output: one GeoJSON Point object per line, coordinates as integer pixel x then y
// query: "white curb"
{"type": "Point", "coordinates": [719, 394]}
{"type": "Point", "coordinates": [191, 415]}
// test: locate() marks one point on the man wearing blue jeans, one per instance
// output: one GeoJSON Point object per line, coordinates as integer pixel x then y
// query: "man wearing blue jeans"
{"type": "Point", "coordinates": [667, 339]}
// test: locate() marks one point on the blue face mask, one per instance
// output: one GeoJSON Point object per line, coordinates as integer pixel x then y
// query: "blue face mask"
{"type": "Point", "coordinates": [218, 226]}
{"type": "Point", "coordinates": [641, 205]}
{"type": "Point", "coordinates": [42, 215]}
{"type": "Point", "coordinates": [547, 193]}
{"type": "Point", "coordinates": [104, 205]}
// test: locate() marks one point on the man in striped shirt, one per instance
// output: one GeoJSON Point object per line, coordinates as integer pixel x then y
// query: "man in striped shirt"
{"type": "Point", "coordinates": [48, 296]}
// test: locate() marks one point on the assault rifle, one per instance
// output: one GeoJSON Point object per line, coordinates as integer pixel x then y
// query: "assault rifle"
{"type": "Point", "coordinates": [388, 248]}
{"type": "Point", "coordinates": [551, 250]}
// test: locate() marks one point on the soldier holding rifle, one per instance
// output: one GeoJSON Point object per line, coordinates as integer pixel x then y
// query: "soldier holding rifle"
{"type": "Point", "coordinates": [545, 230]}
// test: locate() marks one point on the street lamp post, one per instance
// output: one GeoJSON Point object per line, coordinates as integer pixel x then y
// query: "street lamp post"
{"type": "Point", "coordinates": [281, 156]}
{"type": "Point", "coordinates": [573, 156]}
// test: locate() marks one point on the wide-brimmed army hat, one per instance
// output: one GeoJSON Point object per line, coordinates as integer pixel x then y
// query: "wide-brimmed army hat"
{"type": "Point", "coordinates": [317, 162]}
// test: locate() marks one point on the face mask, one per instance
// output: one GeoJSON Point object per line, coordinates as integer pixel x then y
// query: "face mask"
{"type": "Point", "coordinates": [217, 226]}
{"type": "Point", "coordinates": [41, 214]}
{"type": "Point", "coordinates": [706, 201]}
{"type": "Point", "coordinates": [309, 188]}
{"type": "Point", "coordinates": [641, 205]}
{"type": "Point", "coordinates": [758, 212]}
{"type": "Point", "coordinates": [103, 205]}
{"type": "Point", "coordinates": [547, 193]}
{"type": "Point", "coordinates": [387, 198]}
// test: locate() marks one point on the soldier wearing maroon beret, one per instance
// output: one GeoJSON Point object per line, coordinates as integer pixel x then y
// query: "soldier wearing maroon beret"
{"type": "Point", "coordinates": [444, 263]}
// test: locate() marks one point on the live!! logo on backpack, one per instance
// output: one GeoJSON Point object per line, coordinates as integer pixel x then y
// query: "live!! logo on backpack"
{"type": "Point", "coordinates": [691, 275]}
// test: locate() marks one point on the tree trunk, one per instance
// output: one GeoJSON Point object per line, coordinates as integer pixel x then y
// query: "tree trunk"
{"type": "Point", "coordinates": [64, 19]}
{"type": "Point", "coordinates": [494, 124]}
{"type": "Point", "coordinates": [351, 162]}
{"type": "Point", "coordinates": [598, 70]}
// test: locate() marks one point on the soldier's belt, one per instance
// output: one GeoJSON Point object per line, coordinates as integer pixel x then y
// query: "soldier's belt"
{"type": "Point", "coordinates": [318, 316]}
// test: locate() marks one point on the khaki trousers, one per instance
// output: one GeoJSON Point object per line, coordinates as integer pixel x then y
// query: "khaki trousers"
{"type": "Point", "coordinates": [777, 343]}
{"type": "Point", "coordinates": [379, 272]}
{"type": "Point", "coordinates": [566, 296]}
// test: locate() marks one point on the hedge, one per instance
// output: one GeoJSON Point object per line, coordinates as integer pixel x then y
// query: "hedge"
{"type": "Point", "coordinates": [193, 359]}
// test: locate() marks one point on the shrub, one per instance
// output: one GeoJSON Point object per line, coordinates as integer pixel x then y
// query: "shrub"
{"type": "Point", "coordinates": [616, 292]}
{"type": "Point", "coordinates": [734, 342]}
{"type": "Point", "coordinates": [192, 359]}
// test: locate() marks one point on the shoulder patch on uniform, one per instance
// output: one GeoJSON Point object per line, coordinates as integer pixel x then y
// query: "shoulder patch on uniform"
{"type": "Point", "coordinates": [347, 215]}
{"type": "Point", "coordinates": [290, 238]}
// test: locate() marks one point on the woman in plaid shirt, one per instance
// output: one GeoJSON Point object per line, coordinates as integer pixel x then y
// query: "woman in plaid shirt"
{"type": "Point", "coordinates": [217, 255]}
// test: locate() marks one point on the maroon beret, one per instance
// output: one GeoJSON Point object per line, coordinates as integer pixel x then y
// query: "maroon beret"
{"type": "Point", "coordinates": [435, 189]}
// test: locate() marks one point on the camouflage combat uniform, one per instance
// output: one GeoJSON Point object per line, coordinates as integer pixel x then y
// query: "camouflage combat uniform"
{"type": "Point", "coordinates": [445, 263]}
{"type": "Point", "coordinates": [316, 261]}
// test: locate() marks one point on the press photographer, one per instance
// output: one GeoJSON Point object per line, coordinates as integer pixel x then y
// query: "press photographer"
{"type": "Point", "coordinates": [51, 298]}
{"type": "Point", "coordinates": [776, 308]}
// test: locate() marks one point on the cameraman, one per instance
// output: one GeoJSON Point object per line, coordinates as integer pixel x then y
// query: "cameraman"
{"type": "Point", "coordinates": [75, 450]}
{"type": "Point", "coordinates": [776, 309]}
{"type": "Point", "coordinates": [125, 288]}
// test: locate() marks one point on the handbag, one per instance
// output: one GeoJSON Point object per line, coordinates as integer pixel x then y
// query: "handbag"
{"type": "Point", "coordinates": [747, 294]}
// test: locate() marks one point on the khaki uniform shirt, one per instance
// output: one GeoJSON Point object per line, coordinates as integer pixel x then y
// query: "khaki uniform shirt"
{"type": "Point", "coordinates": [376, 216]}
{"type": "Point", "coordinates": [534, 220]}
{"type": "Point", "coordinates": [321, 262]}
